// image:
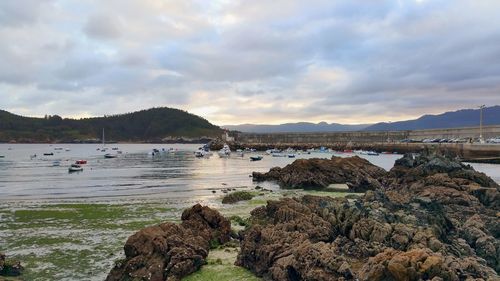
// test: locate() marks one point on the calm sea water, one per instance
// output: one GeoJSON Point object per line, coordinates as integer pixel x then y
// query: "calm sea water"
{"type": "Point", "coordinates": [136, 173]}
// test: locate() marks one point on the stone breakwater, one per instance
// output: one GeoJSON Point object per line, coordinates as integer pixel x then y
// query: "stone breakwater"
{"type": "Point", "coordinates": [428, 218]}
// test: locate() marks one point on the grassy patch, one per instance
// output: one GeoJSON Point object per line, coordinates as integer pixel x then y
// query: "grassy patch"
{"type": "Point", "coordinates": [220, 267]}
{"type": "Point", "coordinates": [74, 241]}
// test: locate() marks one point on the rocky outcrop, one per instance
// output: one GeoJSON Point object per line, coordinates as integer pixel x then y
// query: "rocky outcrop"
{"type": "Point", "coordinates": [170, 251]}
{"type": "Point", "coordinates": [358, 173]}
{"type": "Point", "coordinates": [236, 197]}
{"type": "Point", "coordinates": [431, 218]}
{"type": "Point", "coordinates": [9, 267]}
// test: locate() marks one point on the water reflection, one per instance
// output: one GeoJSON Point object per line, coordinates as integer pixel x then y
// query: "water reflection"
{"type": "Point", "coordinates": [137, 173]}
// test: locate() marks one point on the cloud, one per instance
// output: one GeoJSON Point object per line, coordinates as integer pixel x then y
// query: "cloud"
{"type": "Point", "coordinates": [250, 61]}
{"type": "Point", "coordinates": [103, 27]}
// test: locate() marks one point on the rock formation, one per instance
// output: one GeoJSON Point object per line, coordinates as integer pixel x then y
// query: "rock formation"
{"type": "Point", "coordinates": [236, 197]}
{"type": "Point", "coordinates": [359, 174]}
{"type": "Point", "coordinates": [432, 218]}
{"type": "Point", "coordinates": [171, 251]}
{"type": "Point", "coordinates": [9, 267]}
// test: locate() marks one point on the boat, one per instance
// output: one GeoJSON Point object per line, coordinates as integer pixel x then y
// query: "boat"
{"type": "Point", "coordinates": [67, 149]}
{"type": "Point", "coordinates": [56, 163]}
{"type": "Point", "coordinates": [272, 151]}
{"type": "Point", "coordinates": [291, 155]}
{"type": "Point", "coordinates": [33, 156]}
{"type": "Point", "coordinates": [58, 148]}
{"type": "Point", "coordinates": [81, 162]}
{"type": "Point", "coordinates": [278, 154]}
{"type": "Point", "coordinates": [225, 151]}
{"type": "Point", "coordinates": [48, 154]}
{"type": "Point", "coordinates": [75, 168]}
{"type": "Point", "coordinates": [372, 153]}
{"type": "Point", "coordinates": [119, 151]}
{"type": "Point", "coordinates": [109, 155]}
{"type": "Point", "coordinates": [114, 148]}
{"type": "Point", "coordinates": [2, 156]}
{"type": "Point", "coordinates": [256, 158]}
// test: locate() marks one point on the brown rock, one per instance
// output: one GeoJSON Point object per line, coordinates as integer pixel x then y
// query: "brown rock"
{"type": "Point", "coordinates": [358, 173]}
{"type": "Point", "coordinates": [170, 251]}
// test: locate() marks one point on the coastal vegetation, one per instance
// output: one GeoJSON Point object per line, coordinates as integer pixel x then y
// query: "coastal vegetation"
{"type": "Point", "coordinates": [152, 125]}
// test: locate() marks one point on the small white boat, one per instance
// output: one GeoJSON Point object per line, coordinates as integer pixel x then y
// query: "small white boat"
{"type": "Point", "coordinates": [75, 168]}
{"type": "Point", "coordinates": [67, 149]}
{"type": "Point", "coordinates": [278, 154]}
{"type": "Point", "coordinates": [58, 148]}
{"type": "Point", "coordinates": [109, 155]}
{"type": "Point", "coordinates": [114, 148]}
{"type": "Point", "coordinates": [273, 151]}
{"type": "Point", "coordinates": [56, 163]}
{"type": "Point", "coordinates": [225, 151]}
{"type": "Point", "coordinates": [291, 155]}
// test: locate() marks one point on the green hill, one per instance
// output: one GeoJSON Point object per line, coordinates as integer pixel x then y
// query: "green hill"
{"type": "Point", "coordinates": [148, 125]}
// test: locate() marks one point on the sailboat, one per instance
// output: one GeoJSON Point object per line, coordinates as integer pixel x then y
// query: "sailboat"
{"type": "Point", "coordinates": [103, 148]}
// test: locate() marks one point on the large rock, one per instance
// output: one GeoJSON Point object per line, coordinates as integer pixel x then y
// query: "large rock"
{"type": "Point", "coordinates": [359, 174]}
{"type": "Point", "coordinates": [170, 251]}
{"type": "Point", "coordinates": [9, 267]}
{"type": "Point", "coordinates": [432, 218]}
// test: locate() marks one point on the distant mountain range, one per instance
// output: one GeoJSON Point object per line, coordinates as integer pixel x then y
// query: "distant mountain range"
{"type": "Point", "coordinates": [296, 127]}
{"type": "Point", "coordinates": [452, 119]}
{"type": "Point", "coordinates": [156, 124]}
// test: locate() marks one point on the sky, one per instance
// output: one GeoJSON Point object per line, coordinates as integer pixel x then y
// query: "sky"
{"type": "Point", "coordinates": [259, 61]}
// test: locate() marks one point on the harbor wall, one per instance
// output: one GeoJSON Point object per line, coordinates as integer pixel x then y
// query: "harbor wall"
{"type": "Point", "coordinates": [380, 141]}
{"type": "Point", "coordinates": [325, 138]}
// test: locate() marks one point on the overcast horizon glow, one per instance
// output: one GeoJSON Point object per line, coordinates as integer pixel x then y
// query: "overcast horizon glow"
{"type": "Point", "coordinates": [260, 62]}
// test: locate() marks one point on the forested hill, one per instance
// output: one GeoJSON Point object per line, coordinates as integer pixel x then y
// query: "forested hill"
{"type": "Point", "coordinates": [149, 125]}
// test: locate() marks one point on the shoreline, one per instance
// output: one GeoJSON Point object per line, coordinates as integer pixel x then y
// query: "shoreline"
{"type": "Point", "coordinates": [56, 233]}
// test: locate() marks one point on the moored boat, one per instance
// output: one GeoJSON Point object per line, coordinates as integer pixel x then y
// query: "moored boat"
{"type": "Point", "coordinates": [225, 151]}
{"type": "Point", "coordinates": [80, 162]}
{"type": "Point", "coordinates": [256, 158]}
{"type": "Point", "coordinates": [48, 154]}
{"type": "Point", "coordinates": [75, 168]}
{"type": "Point", "coordinates": [109, 155]}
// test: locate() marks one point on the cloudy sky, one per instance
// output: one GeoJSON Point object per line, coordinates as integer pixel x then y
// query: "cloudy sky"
{"type": "Point", "coordinates": [232, 62]}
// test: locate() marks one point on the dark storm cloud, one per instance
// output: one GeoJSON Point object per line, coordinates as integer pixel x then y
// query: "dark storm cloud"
{"type": "Point", "coordinates": [250, 61]}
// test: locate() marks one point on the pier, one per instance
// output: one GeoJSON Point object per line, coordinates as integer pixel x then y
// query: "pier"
{"type": "Point", "coordinates": [391, 141]}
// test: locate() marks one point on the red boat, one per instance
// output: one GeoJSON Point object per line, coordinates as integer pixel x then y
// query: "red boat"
{"type": "Point", "coordinates": [347, 150]}
{"type": "Point", "coordinates": [80, 162]}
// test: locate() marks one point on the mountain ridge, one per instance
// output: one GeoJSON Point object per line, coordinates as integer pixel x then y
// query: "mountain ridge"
{"type": "Point", "coordinates": [449, 119]}
{"type": "Point", "coordinates": [295, 127]}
